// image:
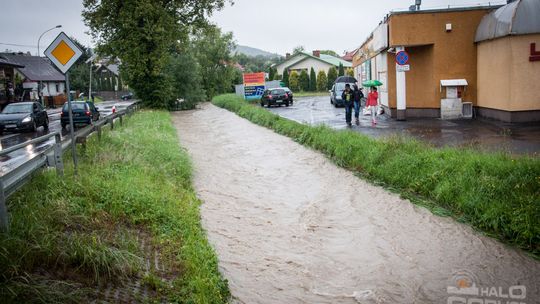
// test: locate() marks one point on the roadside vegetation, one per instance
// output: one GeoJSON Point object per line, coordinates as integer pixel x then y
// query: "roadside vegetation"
{"type": "Point", "coordinates": [130, 208]}
{"type": "Point", "coordinates": [496, 193]}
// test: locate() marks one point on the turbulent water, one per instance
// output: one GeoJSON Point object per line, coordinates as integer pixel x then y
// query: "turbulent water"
{"type": "Point", "coordinates": [291, 227]}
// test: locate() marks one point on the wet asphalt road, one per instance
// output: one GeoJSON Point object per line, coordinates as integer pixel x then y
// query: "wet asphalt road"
{"type": "Point", "coordinates": [477, 133]}
{"type": "Point", "coordinates": [16, 158]}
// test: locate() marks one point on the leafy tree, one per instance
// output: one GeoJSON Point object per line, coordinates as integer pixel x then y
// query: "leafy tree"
{"type": "Point", "coordinates": [185, 72]}
{"type": "Point", "coordinates": [322, 81]}
{"type": "Point", "coordinates": [332, 75]}
{"type": "Point", "coordinates": [141, 34]}
{"type": "Point", "coordinates": [277, 77]}
{"type": "Point", "coordinates": [350, 72]}
{"type": "Point", "coordinates": [256, 64]}
{"type": "Point", "coordinates": [294, 81]}
{"type": "Point", "coordinates": [271, 73]}
{"type": "Point", "coordinates": [286, 77]}
{"type": "Point", "coordinates": [312, 80]}
{"type": "Point", "coordinates": [298, 49]}
{"type": "Point", "coordinates": [304, 81]}
{"type": "Point", "coordinates": [212, 48]}
{"type": "Point", "coordinates": [330, 52]}
{"type": "Point", "coordinates": [341, 71]}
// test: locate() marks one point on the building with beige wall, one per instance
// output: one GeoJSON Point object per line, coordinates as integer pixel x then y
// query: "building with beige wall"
{"type": "Point", "coordinates": [304, 61]}
{"type": "Point", "coordinates": [441, 46]}
{"type": "Point", "coordinates": [508, 52]}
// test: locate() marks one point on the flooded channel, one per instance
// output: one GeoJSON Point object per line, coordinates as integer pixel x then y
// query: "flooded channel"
{"type": "Point", "coordinates": [291, 227]}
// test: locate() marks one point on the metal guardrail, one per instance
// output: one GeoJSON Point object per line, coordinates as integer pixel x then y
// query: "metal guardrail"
{"type": "Point", "coordinates": [50, 157]}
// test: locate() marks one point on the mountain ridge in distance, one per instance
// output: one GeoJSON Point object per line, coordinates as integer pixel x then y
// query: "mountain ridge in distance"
{"type": "Point", "coordinates": [253, 52]}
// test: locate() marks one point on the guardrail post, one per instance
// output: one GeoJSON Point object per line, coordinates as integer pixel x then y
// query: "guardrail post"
{"type": "Point", "coordinates": [4, 225]}
{"type": "Point", "coordinates": [121, 121]}
{"type": "Point", "coordinates": [111, 121]}
{"type": "Point", "coordinates": [58, 161]}
{"type": "Point", "coordinates": [98, 129]}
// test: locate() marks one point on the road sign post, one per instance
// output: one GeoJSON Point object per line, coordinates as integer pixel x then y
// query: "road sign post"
{"type": "Point", "coordinates": [63, 53]}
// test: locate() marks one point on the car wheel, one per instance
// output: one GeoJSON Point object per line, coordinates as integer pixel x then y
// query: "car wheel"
{"type": "Point", "coordinates": [46, 124]}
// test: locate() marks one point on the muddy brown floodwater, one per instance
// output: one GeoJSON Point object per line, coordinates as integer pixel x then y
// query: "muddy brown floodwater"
{"type": "Point", "coordinates": [291, 227]}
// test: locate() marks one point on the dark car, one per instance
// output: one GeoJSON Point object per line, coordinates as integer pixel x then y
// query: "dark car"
{"type": "Point", "coordinates": [290, 93]}
{"type": "Point", "coordinates": [335, 93]}
{"type": "Point", "coordinates": [23, 116]}
{"type": "Point", "coordinates": [128, 96]}
{"type": "Point", "coordinates": [84, 113]}
{"type": "Point", "coordinates": [275, 97]}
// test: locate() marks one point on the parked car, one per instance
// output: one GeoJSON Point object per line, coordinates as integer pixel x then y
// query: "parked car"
{"type": "Point", "coordinates": [276, 96]}
{"type": "Point", "coordinates": [290, 93]}
{"type": "Point", "coordinates": [335, 93]}
{"type": "Point", "coordinates": [84, 113]}
{"type": "Point", "coordinates": [23, 116]}
{"type": "Point", "coordinates": [128, 96]}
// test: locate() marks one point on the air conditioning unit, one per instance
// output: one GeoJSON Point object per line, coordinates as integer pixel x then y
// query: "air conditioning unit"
{"type": "Point", "coordinates": [467, 110]}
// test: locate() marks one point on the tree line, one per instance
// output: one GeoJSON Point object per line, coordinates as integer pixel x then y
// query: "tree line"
{"type": "Point", "coordinates": [302, 81]}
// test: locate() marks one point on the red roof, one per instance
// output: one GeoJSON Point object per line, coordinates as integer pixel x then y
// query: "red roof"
{"type": "Point", "coordinates": [348, 56]}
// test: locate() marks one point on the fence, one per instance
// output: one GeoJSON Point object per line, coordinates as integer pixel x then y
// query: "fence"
{"type": "Point", "coordinates": [50, 157]}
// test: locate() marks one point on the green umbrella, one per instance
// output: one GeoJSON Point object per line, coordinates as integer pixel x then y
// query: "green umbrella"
{"type": "Point", "coordinates": [372, 83]}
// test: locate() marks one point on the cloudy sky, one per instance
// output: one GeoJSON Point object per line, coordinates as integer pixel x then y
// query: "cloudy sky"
{"type": "Point", "coordinates": [272, 25]}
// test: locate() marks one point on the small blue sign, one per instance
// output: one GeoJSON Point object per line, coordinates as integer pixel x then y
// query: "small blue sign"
{"type": "Point", "coordinates": [253, 92]}
{"type": "Point", "coordinates": [402, 58]}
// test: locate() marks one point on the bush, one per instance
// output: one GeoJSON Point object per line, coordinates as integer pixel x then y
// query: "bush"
{"type": "Point", "coordinates": [304, 81]}
{"type": "Point", "coordinates": [494, 192]}
{"type": "Point", "coordinates": [294, 82]}
{"type": "Point", "coordinates": [312, 80]}
{"type": "Point", "coordinates": [322, 81]}
{"type": "Point", "coordinates": [332, 75]}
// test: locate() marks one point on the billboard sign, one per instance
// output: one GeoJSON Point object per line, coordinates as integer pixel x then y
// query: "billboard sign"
{"type": "Point", "coordinates": [254, 85]}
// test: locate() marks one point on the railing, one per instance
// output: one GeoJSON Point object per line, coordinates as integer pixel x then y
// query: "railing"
{"type": "Point", "coordinates": [50, 157]}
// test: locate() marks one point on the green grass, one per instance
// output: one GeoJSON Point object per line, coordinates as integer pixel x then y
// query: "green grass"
{"type": "Point", "coordinates": [311, 94]}
{"type": "Point", "coordinates": [70, 234]}
{"type": "Point", "coordinates": [496, 193]}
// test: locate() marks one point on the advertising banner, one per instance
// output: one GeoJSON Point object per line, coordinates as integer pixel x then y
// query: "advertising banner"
{"type": "Point", "coordinates": [254, 85]}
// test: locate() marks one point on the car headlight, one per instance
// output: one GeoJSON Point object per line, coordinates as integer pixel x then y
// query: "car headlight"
{"type": "Point", "coordinates": [27, 119]}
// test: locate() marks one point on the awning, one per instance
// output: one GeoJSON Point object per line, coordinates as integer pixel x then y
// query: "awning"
{"type": "Point", "coordinates": [454, 83]}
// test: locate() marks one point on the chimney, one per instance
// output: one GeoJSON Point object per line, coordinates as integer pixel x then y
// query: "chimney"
{"type": "Point", "coordinates": [317, 53]}
{"type": "Point", "coordinates": [287, 56]}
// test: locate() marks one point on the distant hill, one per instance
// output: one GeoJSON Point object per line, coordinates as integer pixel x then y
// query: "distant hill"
{"type": "Point", "coordinates": [253, 52]}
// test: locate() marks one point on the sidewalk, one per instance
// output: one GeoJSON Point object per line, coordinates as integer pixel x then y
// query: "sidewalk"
{"type": "Point", "coordinates": [482, 134]}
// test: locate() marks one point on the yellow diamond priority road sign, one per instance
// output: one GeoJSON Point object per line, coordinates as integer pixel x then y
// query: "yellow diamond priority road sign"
{"type": "Point", "coordinates": [63, 52]}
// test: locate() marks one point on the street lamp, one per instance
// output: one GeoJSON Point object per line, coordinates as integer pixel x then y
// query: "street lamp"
{"type": "Point", "coordinates": [39, 55]}
{"type": "Point", "coordinates": [58, 26]}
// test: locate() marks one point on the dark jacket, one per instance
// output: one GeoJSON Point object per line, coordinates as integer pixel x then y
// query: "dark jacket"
{"type": "Point", "coordinates": [358, 95]}
{"type": "Point", "coordinates": [348, 97]}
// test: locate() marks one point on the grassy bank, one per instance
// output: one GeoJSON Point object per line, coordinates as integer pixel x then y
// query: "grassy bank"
{"type": "Point", "coordinates": [130, 217]}
{"type": "Point", "coordinates": [496, 193]}
{"type": "Point", "coordinates": [311, 94]}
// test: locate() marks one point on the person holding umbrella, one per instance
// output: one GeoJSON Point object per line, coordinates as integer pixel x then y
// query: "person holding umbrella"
{"type": "Point", "coordinates": [372, 102]}
{"type": "Point", "coordinates": [358, 95]}
{"type": "Point", "coordinates": [348, 100]}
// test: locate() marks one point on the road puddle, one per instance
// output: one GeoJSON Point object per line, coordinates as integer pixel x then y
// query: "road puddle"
{"type": "Point", "coordinates": [291, 227]}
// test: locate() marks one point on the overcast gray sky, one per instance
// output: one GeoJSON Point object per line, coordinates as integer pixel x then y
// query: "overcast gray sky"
{"type": "Point", "coordinates": [272, 25]}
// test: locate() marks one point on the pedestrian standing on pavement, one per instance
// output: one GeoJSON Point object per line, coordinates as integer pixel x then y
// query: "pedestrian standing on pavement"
{"type": "Point", "coordinates": [358, 95]}
{"type": "Point", "coordinates": [348, 100]}
{"type": "Point", "coordinates": [372, 102]}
